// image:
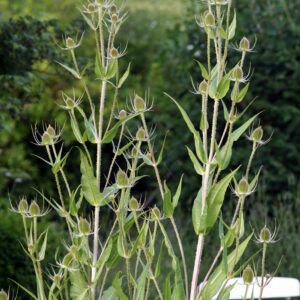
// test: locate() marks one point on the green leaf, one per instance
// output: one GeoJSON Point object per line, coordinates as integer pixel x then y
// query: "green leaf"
{"type": "Point", "coordinates": [78, 285]}
{"type": "Point", "coordinates": [72, 71]}
{"type": "Point", "coordinates": [89, 183]}
{"type": "Point", "coordinates": [178, 192]}
{"type": "Point", "coordinates": [167, 288]}
{"type": "Point", "coordinates": [158, 263]}
{"type": "Point", "coordinates": [110, 294]}
{"type": "Point", "coordinates": [60, 162]}
{"type": "Point", "coordinates": [76, 131]}
{"type": "Point", "coordinates": [87, 20]}
{"type": "Point", "coordinates": [199, 219]}
{"type": "Point", "coordinates": [141, 283]}
{"type": "Point", "coordinates": [91, 134]}
{"type": "Point", "coordinates": [99, 69]}
{"type": "Point", "coordinates": [161, 151]}
{"type": "Point", "coordinates": [167, 203]}
{"type": "Point", "coordinates": [255, 179]}
{"type": "Point", "coordinates": [124, 148]}
{"type": "Point", "coordinates": [111, 69]}
{"type": "Point", "coordinates": [213, 87]}
{"type": "Point", "coordinates": [197, 166]}
{"type": "Point", "coordinates": [23, 288]}
{"type": "Point", "coordinates": [232, 27]}
{"type": "Point", "coordinates": [73, 209]}
{"type": "Point", "coordinates": [124, 77]}
{"type": "Point", "coordinates": [110, 134]}
{"type": "Point", "coordinates": [242, 93]}
{"type": "Point", "coordinates": [203, 70]}
{"type": "Point", "coordinates": [242, 113]}
{"type": "Point", "coordinates": [104, 255]}
{"type": "Point", "coordinates": [43, 248]}
{"type": "Point", "coordinates": [226, 292]}
{"type": "Point", "coordinates": [223, 86]}
{"type": "Point", "coordinates": [117, 285]}
{"type": "Point", "coordinates": [226, 114]}
{"type": "Point", "coordinates": [215, 199]}
{"type": "Point", "coordinates": [199, 147]}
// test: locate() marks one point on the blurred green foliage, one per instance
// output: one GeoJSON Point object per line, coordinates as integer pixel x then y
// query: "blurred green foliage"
{"type": "Point", "coordinates": [163, 40]}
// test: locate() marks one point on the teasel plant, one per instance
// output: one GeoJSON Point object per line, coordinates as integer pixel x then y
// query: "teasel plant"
{"type": "Point", "coordinates": [123, 262]}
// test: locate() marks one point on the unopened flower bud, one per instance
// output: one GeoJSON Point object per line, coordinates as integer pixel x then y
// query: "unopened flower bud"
{"type": "Point", "coordinates": [133, 204]}
{"type": "Point", "coordinates": [70, 43]}
{"type": "Point", "coordinates": [155, 213]}
{"type": "Point", "coordinates": [244, 44]}
{"type": "Point", "coordinates": [114, 53]}
{"type": "Point", "coordinates": [139, 104]}
{"type": "Point", "coordinates": [3, 295]}
{"type": "Point", "coordinates": [122, 114]}
{"type": "Point", "coordinates": [140, 135]}
{"type": "Point", "coordinates": [248, 275]}
{"type": "Point", "coordinates": [237, 73]}
{"type": "Point", "coordinates": [209, 19]}
{"type": "Point", "coordinates": [243, 186]}
{"type": "Point", "coordinates": [67, 260]}
{"type": "Point", "coordinates": [84, 226]}
{"type": "Point", "coordinates": [46, 138]}
{"type": "Point", "coordinates": [114, 18]}
{"type": "Point", "coordinates": [257, 134]}
{"type": "Point", "coordinates": [203, 87]}
{"type": "Point", "coordinates": [34, 209]}
{"type": "Point", "coordinates": [51, 131]}
{"type": "Point", "coordinates": [265, 235]}
{"type": "Point", "coordinates": [23, 206]}
{"type": "Point", "coordinates": [91, 8]}
{"type": "Point", "coordinates": [113, 9]}
{"type": "Point", "coordinates": [122, 179]}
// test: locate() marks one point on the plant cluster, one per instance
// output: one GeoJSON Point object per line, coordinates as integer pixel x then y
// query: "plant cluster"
{"type": "Point", "coordinates": [129, 250]}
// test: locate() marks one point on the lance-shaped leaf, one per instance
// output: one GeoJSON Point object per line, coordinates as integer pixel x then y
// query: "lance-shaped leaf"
{"type": "Point", "coordinates": [242, 93]}
{"type": "Point", "coordinates": [44, 246]}
{"type": "Point", "coordinates": [60, 162]}
{"type": "Point", "coordinates": [197, 166]}
{"type": "Point", "coordinates": [89, 183]}
{"type": "Point", "coordinates": [167, 203]}
{"type": "Point", "coordinates": [158, 263]}
{"type": "Point", "coordinates": [78, 284]}
{"type": "Point", "coordinates": [178, 193]}
{"type": "Point", "coordinates": [141, 283]}
{"type": "Point", "coordinates": [203, 70]}
{"type": "Point", "coordinates": [199, 218]}
{"type": "Point", "coordinates": [232, 27]}
{"type": "Point", "coordinates": [72, 71]}
{"type": "Point", "coordinates": [223, 86]}
{"type": "Point", "coordinates": [117, 285]}
{"type": "Point", "coordinates": [215, 199]}
{"type": "Point", "coordinates": [255, 179]}
{"type": "Point", "coordinates": [124, 77]}
{"type": "Point", "coordinates": [167, 294]}
{"type": "Point", "coordinates": [111, 69]}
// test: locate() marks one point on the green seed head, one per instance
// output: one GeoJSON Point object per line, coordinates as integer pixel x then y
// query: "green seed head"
{"type": "Point", "coordinates": [243, 186]}
{"type": "Point", "coordinates": [51, 131]}
{"type": "Point", "coordinates": [248, 275]}
{"type": "Point", "coordinates": [122, 114]}
{"type": "Point", "coordinates": [203, 87]}
{"type": "Point", "coordinates": [111, 197]}
{"type": "Point", "coordinates": [209, 19]}
{"type": "Point", "coordinates": [114, 18]}
{"type": "Point", "coordinates": [23, 206]}
{"type": "Point", "coordinates": [237, 73]}
{"type": "Point", "coordinates": [84, 226]}
{"type": "Point", "coordinates": [68, 260]}
{"type": "Point", "coordinates": [46, 138]}
{"type": "Point", "coordinates": [34, 209]}
{"type": "Point", "coordinates": [155, 213]}
{"type": "Point", "coordinates": [114, 53]}
{"type": "Point", "coordinates": [99, 2]}
{"type": "Point", "coordinates": [244, 44]}
{"type": "Point", "coordinates": [140, 134]}
{"type": "Point", "coordinates": [113, 9]}
{"type": "Point", "coordinates": [257, 134]}
{"type": "Point", "coordinates": [3, 295]}
{"type": "Point", "coordinates": [70, 103]}
{"type": "Point", "coordinates": [91, 8]}
{"type": "Point", "coordinates": [133, 204]}
{"type": "Point", "coordinates": [134, 152]}
{"type": "Point", "coordinates": [70, 43]}
{"type": "Point", "coordinates": [74, 251]}
{"type": "Point", "coordinates": [139, 104]}
{"type": "Point", "coordinates": [265, 235]}
{"type": "Point", "coordinates": [57, 279]}
{"type": "Point", "coordinates": [122, 179]}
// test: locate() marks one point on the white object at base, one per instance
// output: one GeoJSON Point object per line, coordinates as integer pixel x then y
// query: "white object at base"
{"type": "Point", "coordinates": [279, 287]}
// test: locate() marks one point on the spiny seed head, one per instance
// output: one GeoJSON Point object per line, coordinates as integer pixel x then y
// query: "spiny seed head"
{"type": "Point", "coordinates": [91, 8]}
{"type": "Point", "coordinates": [155, 213]}
{"type": "Point", "coordinates": [209, 19]}
{"type": "Point", "coordinates": [149, 156]}
{"type": "Point", "coordinates": [139, 103]}
{"type": "Point", "coordinates": [67, 260]}
{"type": "Point", "coordinates": [51, 131]}
{"type": "Point", "coordinates": [114, 18]}
{"type": "Point", "coordinates": [57, 279]}
{"type": "Point", "coordinates": [133, 204]}
{"type": "Point", "coordinates": [122, 179]}
{"type": "Point", "coordinates": [23, 206]}
{"type": "Point", "coordinates": [3, 295]}
{"type": "Point", "coordinates": [74, 251]}
{"type": "Point", "coordinates": [265, 235]}
{"type": "Point", "coordinates": [70, 43]}
{"type": "Point", "coordinates": [84, 226]}
{"type": "Point", "coordinates": [122, 114]}
{"type": "Point", "coordinates": [237, 73]}
{"type": "Point", "coordinates": [134, 152]}
{"type": "Point", "coordinates": [99, 2]}
{"type": "Point", "coordinates": [243, 186]}
{"type": "Point", "coordinates": [248, 275]}
{"type": "Point", "coordinates": [257, 134]}
{"type": "Point", "coordinates": [203, 87]}
{"type": "Point", "coordinates": [46, 138]}
{"type": "Point", "coordinates": [244, 44]}
{"type": "Point", "coordinates": [114, 53]}
{"type": "Point", "coordinates": [113, 9]}
{"type": "Point", "coordinates": [34, 209]}
{"type": "Point", "coordinates": [70, 103]}
{"type": "Point", "coordinates": [140, 134]}
{"type": "Point", "coordinates": [111, 197]}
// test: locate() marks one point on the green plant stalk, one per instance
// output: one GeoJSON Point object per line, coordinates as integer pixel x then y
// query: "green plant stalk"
{"type": "Point", "coordinates": [148, 259]}
{"type": "Point", "coordinates": [246, 291]}
{"type": "Point", "coordinates": [147, 289]}
{"type": "Point", "coordinates": [60, 194]}
{"type": "Point", "coordinates": [103, 283]}
{"type": "Point", "coordinates": [66, 285]}
{"type": "Point", "coordinates": [136, 270]}
{"type": "Point", "coordinates": [162, 196]}
{"type": "Point", "coordinates": [254, 147]}
{"type": "Point", "coordinates": [262, 270]}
